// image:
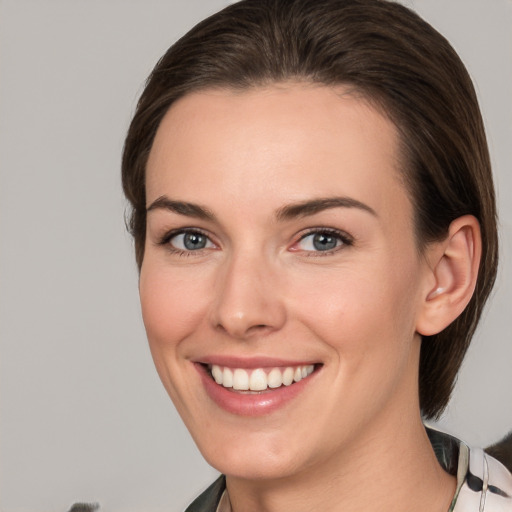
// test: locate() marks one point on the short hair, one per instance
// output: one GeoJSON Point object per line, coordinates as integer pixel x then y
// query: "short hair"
{"type": "Point", "coordinates": [392, 58]}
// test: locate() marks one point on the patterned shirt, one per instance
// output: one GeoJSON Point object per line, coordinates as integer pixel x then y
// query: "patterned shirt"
{"type": "Point", "coordinates": [483, 483]}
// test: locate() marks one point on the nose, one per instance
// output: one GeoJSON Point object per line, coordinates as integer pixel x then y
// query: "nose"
{"type": "Point", "coordinates": [248, 299]}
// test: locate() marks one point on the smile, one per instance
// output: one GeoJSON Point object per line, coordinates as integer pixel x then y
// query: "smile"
{"type": "Point", "coordinates": [259, 379]}
{"type": "Point", "coordinates": [255, 387]}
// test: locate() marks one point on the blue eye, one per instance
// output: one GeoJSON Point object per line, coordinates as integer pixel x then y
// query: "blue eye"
{"type": "Point", "coordinates": [190, 241]}
{"type": "Point", "coordinates": [322, 241]}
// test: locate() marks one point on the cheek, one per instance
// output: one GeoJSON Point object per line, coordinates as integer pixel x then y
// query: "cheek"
{"type": "Point", "coordinates": [173, 306]}
{"type": "Point", "coordinates": [367, 308]}
{"type": "Point", "coordinates": [172, 303]}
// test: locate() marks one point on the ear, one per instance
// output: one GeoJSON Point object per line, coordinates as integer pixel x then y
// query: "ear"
{"type": "Point", "coordinates": [451, 277]}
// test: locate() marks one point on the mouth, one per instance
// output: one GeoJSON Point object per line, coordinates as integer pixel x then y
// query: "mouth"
{"type": "Point", "coordinates": [258, 380]}
{"type": "Point", "coordinates": [255, 388]}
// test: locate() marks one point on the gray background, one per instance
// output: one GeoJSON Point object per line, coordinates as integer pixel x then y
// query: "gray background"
{"type": "Point", "coordinates": [83, 415]}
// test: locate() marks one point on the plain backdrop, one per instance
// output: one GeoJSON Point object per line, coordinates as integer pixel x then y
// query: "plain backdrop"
{"type": "Point", "coordinates": [83, 415]}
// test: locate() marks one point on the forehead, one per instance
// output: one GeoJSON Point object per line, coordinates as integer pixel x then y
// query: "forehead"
{"type": "Point", "coordinates": [293, 140]}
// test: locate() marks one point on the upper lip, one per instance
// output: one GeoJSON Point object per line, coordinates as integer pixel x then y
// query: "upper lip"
{"type": "Point", "coordinates": [251, 362]}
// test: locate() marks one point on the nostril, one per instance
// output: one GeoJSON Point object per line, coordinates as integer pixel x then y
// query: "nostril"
{"type": "Point", "coordinates": [259, 328]}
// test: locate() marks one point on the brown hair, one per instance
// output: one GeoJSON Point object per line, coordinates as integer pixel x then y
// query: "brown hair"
{"type": "Point", "coordinates": [391, 57]}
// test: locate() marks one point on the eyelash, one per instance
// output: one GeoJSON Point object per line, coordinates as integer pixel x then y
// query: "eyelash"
{"type": "Point", "coordinates": [345, 239]}
{"type": "Point", "coordinates": [166, 239]}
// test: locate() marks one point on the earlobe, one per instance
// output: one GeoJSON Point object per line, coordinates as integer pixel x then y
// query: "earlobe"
{"type": "Point", "coordinates": [454, 264]}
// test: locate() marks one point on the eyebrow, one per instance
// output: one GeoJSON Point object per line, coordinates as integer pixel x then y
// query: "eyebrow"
{"type": "Point", "coordinates": [310, 207]}
{"type": "Point", "coordinates": [287, 212]}
{"type": "Point", "coordinates": [182, 208]}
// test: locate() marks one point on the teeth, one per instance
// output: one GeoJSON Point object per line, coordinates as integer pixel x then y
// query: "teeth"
{"type": "Point", "coordinates": [259, 380]}
{"type": "Point", "coordinates": [227, 378]}
{"type": "Point", "coordinates": [217, 374]}
{"type": "Point", "coordinates": [288, 376]}
{"type": "Point", "coordinates": [275, 378]}
{"type": "Point", "coordinates": [240, 380]}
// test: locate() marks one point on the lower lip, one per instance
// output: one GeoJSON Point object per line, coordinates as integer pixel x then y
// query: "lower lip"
{"type": "Point", "coordinates": [250, 404]}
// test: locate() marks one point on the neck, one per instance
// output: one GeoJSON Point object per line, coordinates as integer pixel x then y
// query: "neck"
{"type": "Point", "coordinates": [393, 465]}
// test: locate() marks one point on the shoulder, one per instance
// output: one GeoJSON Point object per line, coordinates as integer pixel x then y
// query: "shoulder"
{"type": "Point", "coordinates": [483, 483]}
{"type": "Point", "coordinates": [209, 499]}
{"type": "Point", "coordinates": [486, 486]}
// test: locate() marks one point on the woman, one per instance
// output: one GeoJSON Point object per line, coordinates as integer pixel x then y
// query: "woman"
{"type": "Point", "coordinates": [315, 227]}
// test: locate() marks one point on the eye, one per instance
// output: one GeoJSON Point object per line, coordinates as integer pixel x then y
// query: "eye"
{"type": "Point", "coordinates": [189, 241]}
{"type": "Point", "coordinates": [322, 241]}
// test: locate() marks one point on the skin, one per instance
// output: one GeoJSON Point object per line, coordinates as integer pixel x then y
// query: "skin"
{"type": "Point", "coordinates": [353, 437]}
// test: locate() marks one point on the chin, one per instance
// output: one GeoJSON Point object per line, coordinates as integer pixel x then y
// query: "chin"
{"type": "Point", "coordinates": [255, 456]}
{"type": "Point", "coordinates": [245, 466]}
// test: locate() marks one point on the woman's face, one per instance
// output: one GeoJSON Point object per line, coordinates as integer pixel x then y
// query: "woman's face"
{"type": "Point", "coordinates": [280, 245]}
